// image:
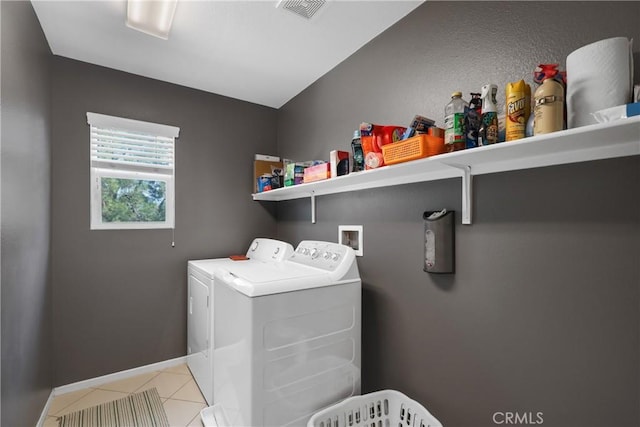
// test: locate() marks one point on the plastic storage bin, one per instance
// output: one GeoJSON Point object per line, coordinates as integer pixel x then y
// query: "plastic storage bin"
{"type": "Point", "coordinates": [413, 148]}
{"type": "Point", "coordinates": [386, 408]}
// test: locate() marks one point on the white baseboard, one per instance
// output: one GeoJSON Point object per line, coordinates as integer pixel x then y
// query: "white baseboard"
{"type": "Point", "coordinates": [94, 382]}
{"type": "Point", "coordinates": [45, 410]}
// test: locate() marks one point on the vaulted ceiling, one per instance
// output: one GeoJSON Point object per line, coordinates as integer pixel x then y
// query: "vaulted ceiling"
{"type": "Point", "coordinates": [255, 51]}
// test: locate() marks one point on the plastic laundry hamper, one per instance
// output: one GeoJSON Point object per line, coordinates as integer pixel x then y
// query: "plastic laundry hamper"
{"type": "Point", "coordinates": [385, 408]}
{"type": "Point", "coordinates": [214, 416]}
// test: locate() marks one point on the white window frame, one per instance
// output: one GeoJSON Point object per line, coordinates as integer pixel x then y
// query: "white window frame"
{"type": "Point", "coordinates": [106, 169]}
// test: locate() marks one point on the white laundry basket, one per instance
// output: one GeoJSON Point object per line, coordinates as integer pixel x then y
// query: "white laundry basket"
{"type": "Point", "coordinates": [385, 408]}
{"type": "Point", "coordinates": [214, 416]}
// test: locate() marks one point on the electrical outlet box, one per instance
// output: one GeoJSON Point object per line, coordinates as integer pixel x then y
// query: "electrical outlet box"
{"type": "Point", "coordinates": [351, 235]}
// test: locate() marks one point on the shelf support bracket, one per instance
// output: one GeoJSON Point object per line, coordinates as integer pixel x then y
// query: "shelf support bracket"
{"type": "Point", "coordinates": [467, 192]}
{"type": "Point", "coordinates": [313, 207]}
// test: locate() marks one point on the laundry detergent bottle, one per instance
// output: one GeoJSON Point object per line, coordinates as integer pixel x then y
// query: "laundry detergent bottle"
{"type": "Point", "coordinates": [549, 100]}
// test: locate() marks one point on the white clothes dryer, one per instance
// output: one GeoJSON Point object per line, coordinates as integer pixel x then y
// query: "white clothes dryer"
{"type": "Point", "coordinates": [200, 308]}
{"type": "Point", "coordinates": [287, 336]}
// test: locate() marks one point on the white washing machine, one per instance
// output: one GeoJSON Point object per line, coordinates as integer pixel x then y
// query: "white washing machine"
{"type": "Point", "coordinates": [287, 336]}
{"type": "Point", "coordinates": [200, 308]}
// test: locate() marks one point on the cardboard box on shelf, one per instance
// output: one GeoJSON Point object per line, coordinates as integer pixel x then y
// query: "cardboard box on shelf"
{"type": "Point", "coordinates": [263, 167]}
{"type": "Point", "coordinates": [293, 174]}
{"type": "Point", "coordinates": [339, 161]}
{"type": "Point", "coordinates": [317, 172]}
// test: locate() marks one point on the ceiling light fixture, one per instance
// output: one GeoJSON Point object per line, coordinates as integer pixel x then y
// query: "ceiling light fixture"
{"type": "Point", "coordinates": [153, 17]}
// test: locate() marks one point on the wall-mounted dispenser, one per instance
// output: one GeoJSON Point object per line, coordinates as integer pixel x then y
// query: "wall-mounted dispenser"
{"type": "Point", "coordinates": [439, 247]}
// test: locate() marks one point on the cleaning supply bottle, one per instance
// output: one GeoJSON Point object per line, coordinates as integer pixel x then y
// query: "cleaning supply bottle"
{"type": "Point", "coordinates": [488, 133]}
{"type": "Point", "coordinates": [518, 109]}
{"type": "Point", "coordinates": [549, 100]}
{"type": "Point", "coordinates": [454, 135]}
{"type": "Point", "coordinates": [356, 148]}
{"type": "Point", "coordinates": [472, 117]}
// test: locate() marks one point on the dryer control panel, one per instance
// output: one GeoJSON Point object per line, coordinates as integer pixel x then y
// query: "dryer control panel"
{"type": "Point", "coordinates": [324, 255]}
{"type": "Point", "coordinates": [269, 250]}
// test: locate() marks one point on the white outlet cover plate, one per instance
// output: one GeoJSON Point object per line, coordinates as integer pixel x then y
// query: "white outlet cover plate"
{"type": "Point", "coordinates": [342, 229]}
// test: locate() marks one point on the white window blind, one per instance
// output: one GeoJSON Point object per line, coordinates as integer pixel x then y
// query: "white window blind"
{"type": "Point", "coordinates": [131, 144]}
{"type": "Point", "coordinates": [132, 173]}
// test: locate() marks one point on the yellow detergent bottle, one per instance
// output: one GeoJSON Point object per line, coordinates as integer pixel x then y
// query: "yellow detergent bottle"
{"type": "Point", "coordinates": [518, 109]}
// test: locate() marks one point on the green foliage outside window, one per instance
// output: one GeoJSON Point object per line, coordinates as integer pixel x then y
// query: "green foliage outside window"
{"type": "Point", "coordinates": [133, 200]}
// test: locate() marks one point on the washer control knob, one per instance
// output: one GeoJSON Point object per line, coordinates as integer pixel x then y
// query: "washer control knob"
{"type": "Point", "coordinates": [335, 257]}
{"type": "Point", "coordinates": [327, 255]}
{"type": "Point", "coordinates": [254, 246]}
{"type": "Point", "coordinates": [314, 253]}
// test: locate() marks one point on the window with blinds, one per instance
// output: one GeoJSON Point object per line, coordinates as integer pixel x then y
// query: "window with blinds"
{"type": "Point", "coordinates": [132, 173]}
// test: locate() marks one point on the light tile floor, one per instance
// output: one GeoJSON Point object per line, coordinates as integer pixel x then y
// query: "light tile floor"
{"type": "Point", "coordinates": [180, 396]}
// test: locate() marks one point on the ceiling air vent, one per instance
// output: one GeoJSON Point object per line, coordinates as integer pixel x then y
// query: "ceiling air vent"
{"type": "Point", "coordinates": [304, 8]}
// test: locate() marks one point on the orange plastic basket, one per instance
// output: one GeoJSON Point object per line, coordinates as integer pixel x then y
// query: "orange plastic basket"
{"type": "Point", "coordinates": [413, 148]}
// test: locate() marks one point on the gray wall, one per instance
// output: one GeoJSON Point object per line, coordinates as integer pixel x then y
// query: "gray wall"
{"type": "Point", "coordinates": [542, 314]}
{"type": "Point", "coordinates": [25, 152]}
{"type": "Point", "coordinates": [120, 295]}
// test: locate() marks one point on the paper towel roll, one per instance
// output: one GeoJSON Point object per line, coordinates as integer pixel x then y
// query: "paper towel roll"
{"type": "Point", "coordinates": [599, 75]}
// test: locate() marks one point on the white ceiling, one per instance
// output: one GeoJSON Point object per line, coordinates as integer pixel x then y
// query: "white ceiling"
{"type": "Point", "coordinates": [249, 50]}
